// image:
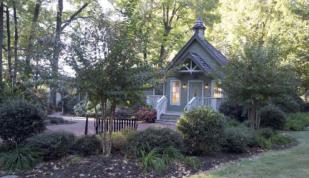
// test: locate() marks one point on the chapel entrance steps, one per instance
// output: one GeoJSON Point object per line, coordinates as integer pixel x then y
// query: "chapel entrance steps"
{"type": "Point", "coordinates": [169, 118]}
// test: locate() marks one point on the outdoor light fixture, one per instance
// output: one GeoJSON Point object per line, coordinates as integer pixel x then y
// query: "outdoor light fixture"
{"type": "Point", "coordinates": [206, 86]}
{"type": "Point", "coordinates": [184, 85]}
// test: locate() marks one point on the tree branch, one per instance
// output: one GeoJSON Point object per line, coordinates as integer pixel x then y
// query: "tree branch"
{"type": "Point", "coordinates": [67, 22]}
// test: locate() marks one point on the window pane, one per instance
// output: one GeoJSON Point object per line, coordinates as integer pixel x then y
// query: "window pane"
{"type": "Point", "coordinates": [175, 93]}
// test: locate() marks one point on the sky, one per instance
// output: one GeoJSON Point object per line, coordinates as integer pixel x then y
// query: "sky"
{"type": "Point", "coordinates": [67, 6]}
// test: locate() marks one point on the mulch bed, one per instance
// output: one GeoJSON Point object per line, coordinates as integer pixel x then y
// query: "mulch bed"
{"type": "Point", "coordinates": [117, 166]}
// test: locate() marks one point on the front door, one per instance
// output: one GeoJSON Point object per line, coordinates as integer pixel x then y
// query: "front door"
{"type": "Point", "coordinates": [195, 90]}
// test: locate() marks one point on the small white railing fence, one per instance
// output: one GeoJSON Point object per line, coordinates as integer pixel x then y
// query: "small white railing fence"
{"type": "Point", "coordinates": [212, 102]}
{"type": "Point", "coordinates": [161, 106]}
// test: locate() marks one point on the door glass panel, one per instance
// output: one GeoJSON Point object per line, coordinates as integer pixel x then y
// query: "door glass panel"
{"type": "Point", "coordinates": [175, 93]}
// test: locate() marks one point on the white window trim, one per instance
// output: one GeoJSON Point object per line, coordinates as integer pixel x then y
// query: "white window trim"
{"type": "Point", "coordinates": [195, 81]}
{"type": "Point", "coordinates": [171, 93]}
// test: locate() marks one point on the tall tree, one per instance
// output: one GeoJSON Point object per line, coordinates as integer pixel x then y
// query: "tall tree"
{"type": "Point", "coordinates": [9, 53]}
{"type": "Point", "coordinates": [29, 50]}
{"type": "Point", "coordinates": [56, 52]}
{"type": "Point", "coordinates": [1, 44]}
{"type": "Point", "coordinates": [15, 42]}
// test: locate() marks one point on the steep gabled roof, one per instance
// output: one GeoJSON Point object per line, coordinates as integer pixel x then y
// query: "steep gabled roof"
{"type": "Point", "coordinates": [215, 54]}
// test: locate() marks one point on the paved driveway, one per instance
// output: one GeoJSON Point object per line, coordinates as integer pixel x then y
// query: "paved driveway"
{"type": "Point", "coordinates": [78, 127]}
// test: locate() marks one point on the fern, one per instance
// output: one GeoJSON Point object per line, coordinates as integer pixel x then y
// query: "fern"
{"type": "Point", "coordinates": [19, 159]}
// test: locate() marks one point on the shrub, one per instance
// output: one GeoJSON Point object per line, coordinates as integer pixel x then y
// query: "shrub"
{"type": "Point", "coordinates": [263, 142]}
{"type": "Point", "coordinates": [297, 121]}
{"type": "Point", "coordinates": [279, 139]}
{"type": "Point", "coordinates": [152, 138]}
{"type": "Point", "coordinates": [146, 115]}
{"type": "Point", "coordinates": [87, 145]}
{"type": "Point", "coordinates": [120, 140]}
{"type": "Point", "coordinates": [288, 103]}
{"type": "Point", "coordinates": [19, 120]}
{"type": "Point", "coordinates": [52, 145]}
{"type": "Point", "coordinates": [232, 110]}
{"type": "Point", "coordinates": [202, 130]}
{"type": "Point", "coordinates": [265, 132]}
{"type": "Point", "coordinates": [153, 161]}
{"type": "Point", "coordinates": [236, 140]}
{"type": "Point", "coordinates": [272, 116]}
{"type": "Point", "coordinates": [19, 159]}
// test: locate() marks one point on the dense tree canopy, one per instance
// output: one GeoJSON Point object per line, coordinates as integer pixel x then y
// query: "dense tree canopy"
{"type": "Point", "coordinates": [37, 35]}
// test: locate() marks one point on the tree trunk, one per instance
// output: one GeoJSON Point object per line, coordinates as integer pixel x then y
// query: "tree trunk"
{"type": "Point", "coordinates": [29, 50]}
{"type": "Point", "coordinates": [15, 43]}
{"type": "Point", "coordinates": [86, 125]}
{"type": "Point", "coordinates": [9, 57]}
{"type": "Point", "coordinates": [1, 44]}
{"type": "Point", "coordinates": [56, 53]}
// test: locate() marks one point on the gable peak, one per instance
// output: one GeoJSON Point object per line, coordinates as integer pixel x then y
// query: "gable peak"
{"type": "Point", "coordinates": [199, 27]}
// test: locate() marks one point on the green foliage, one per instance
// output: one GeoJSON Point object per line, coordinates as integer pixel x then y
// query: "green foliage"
{"type": "Point", "coordinates": [233, 110]}
{"type": "Point", "coordinates": [152, 161]}
{"type": "Point", "coordinates": [255, 76]}
{"type": "Point", "coordinates": [86, 145]}
{"type": "Point", "coordinates": [263, 142]}
{"type": "Point", "coordinates": [287, 103]}
{"type": "Point", "coordinates": [297, 121]}
{"type": "Point", "coordinates": [265, 132]}
{"type": "Point", "coordinates": [19, 120]}
{"type": "Point", "coordinates": [272, 116]}
{"type": "Point", "coordinates": [158, 160]}
{"type": "Point", "coordinates": [202, 130]}
{"type": "Point", "coordinates": [279, 139]}
{"type": "Point", "coordinates": [151, 138]}
{"type": "Point", "coordinates": [52, 145]}
{"type": "Point", "coordinates": [19, 159]}
{"type": "Point", "coordinates": [120, 140]}
{"type": "Point", "coordinates": [192, 161]}
{"type": "Point", "coordinates": [236, 140]}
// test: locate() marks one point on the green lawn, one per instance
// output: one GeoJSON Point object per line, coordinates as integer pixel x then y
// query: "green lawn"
{"type": "Point", "coordinates": [290, 163]}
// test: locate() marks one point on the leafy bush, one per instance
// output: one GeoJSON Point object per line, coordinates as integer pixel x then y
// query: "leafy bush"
{"type": "Point", "coordinates": [236, 140]}
{"type": "Point", "coordinates": [202, 130]}
{"type": "Point", "coordinates": [272, 116]}
{"type": "Point", "coordinates": [19, 120]}
{"type": "Point", "coordinates": [52, 145]}
{"type": "Point", "coordinates": [159, 160]}
{"type": "Point", "coordinates": [287, 103]}
{"type": "Point", "coordinates": [146, 115]}
{"type": "Point", "coordinates": [151, 138]}
{"type": "Point", "coordinates": [279, 139]}
{"type": "Point", "coordinates": [87, 145]}
{"type": "Point", "coordinates": [265, 132]}
{"type": "Point", "coordinates": [120, 140]}
{"type": "Point", "coordinates": [263, 142]}
{"type": "Point", "coordinates": [297, 121]}
{"type": "Point", "coordinates": [19, 159]}
{"type": "Point", "coordinates": [232, 110]}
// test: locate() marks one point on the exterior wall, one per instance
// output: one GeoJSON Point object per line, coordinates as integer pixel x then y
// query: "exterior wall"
{"type": "Point", "coordinates": [184, 79]}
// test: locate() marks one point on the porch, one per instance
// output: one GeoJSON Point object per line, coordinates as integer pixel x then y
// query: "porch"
{"type": "Point", "coordinates": [159, 102]}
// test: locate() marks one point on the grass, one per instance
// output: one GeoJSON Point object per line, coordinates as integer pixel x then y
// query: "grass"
{"type": "Point", "coordinates": [290, 163]}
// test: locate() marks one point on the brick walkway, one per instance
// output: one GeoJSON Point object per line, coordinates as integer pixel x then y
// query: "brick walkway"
{"type": "Point", "coordinates": [78, 127]}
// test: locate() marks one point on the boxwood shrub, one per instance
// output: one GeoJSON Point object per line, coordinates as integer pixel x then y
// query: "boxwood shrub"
{"type": "Point", "coordinates": [19, 120]}
{"type": "Point", "coordinates": [51, 145]}
{"type": "Point", "coordinates": [86, 145]}
{"type": "Point", "coordinates": [202, 130]}
{"type": "Point", "coordinates": [273, 117]}
{"type": "Point", "coordinates": [151, 138]}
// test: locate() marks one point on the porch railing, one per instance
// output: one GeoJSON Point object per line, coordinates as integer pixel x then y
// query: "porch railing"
{"type": "Point", "coordinates": [161, 106]}
{"type": "Point", "coordinates": [212, 102]}
{"type": "Point", "coordinates": [152, 100]}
